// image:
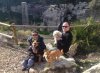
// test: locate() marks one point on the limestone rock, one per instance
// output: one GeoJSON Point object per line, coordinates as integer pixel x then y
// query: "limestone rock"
{"type": "Point", "coordinates": [63, 65]}
{"type": "Point", "coordinates": [93, 69]}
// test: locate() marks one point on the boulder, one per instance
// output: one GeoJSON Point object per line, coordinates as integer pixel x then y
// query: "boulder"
{"type": "Point", "coordinates": [63, 65]}
{"type": "Point", "coordinates": [93, 69]}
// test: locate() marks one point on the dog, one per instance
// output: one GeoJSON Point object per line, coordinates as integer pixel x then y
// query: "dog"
{"type": "Point", "coordinates": [57, 36]}
{"type": "Point", "coordinates": [52, 55]}
{"type": "Point", "coordinates": [34, 46]}
{"type": "Point", "coordinates": [35, 50]}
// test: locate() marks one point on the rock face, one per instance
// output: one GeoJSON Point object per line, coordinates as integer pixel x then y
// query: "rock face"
{"type": "Point", "coordinates": [64, 65]}
{"type": "Point", "coordinates": [73, 49]}
{"type": "Point", "coordinates": [94, 69]}
{"type": "Point", "coordinates": [80, 10]}
{"type": "Point", "coordinates": [54, 14]}
{"type": "Point", "coordinates": [97, 10]}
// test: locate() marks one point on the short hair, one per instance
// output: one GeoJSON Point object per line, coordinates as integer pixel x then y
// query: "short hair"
{"type": "Point", "coordinates": [68, 22]}
{"type": "Point", "coordinates": [34, 32]}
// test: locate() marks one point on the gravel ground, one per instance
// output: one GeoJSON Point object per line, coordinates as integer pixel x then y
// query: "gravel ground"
{"type": "Point", "coordinates": [10, 60]}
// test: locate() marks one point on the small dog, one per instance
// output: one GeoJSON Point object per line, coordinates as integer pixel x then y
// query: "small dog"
{"type": "Point", "coordinates": [52, 55]}
{"type": "Point", "coordinates": [34, 46]}
{"type": "Point", "coordinates": [35, 50]}
{"type": "Point", "coordinates": [57, 36]}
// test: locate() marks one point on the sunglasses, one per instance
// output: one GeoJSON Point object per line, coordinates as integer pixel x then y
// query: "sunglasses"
{"type": "Point", "coordinates": [65, 26]}
{"type": "Point", "coordinates": [35, 34]}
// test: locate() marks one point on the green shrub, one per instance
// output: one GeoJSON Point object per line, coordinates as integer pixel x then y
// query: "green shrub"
{"type": "Point", "coordinates": [88, 37]}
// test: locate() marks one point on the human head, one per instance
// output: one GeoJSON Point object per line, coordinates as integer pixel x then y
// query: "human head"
{"type": "Point", "coordinates": [35, 35]}
{"type": "Point", "coordinates": [65, 26]}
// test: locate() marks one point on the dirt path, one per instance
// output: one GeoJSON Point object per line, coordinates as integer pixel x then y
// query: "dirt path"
{"type": "Point", "coordinates": [10, 60]}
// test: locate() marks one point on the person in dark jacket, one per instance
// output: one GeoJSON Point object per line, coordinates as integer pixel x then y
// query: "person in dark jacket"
{"type": "Point", "coordinates": [41, 46]}
{"type": "Point", "coordinates": [32, 56]}
{"type": "Point", "coordinates": [66, 40]}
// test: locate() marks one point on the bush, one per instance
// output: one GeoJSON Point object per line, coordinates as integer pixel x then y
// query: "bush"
{"type": "Point", "coordinates": [87, 37]}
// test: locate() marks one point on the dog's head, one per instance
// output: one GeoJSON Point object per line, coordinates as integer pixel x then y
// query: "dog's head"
{"type": "Point", "coordinates": [57, 36]}
{"type": "Point", "coordinates": [35, 43]}
{"type": "Point", "coordinates": [46, 55]}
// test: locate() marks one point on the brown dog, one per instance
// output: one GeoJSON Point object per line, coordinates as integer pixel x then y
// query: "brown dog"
{"type": "Point", "coordinates": [35, 50]}
{"type": "Point", "coordinates": [34, 46]}
{"type": "Point", "coordinates": [52, 55]}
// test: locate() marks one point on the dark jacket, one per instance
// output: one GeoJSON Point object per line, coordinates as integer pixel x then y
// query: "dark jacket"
{"type": "Point", "coordinates": [65, 42]}
{"type": "Point", "coordinates": [41, 45]}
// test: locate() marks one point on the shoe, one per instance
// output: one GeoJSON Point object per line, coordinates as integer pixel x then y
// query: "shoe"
{"type": "Point", "coordinates": [24, 69]}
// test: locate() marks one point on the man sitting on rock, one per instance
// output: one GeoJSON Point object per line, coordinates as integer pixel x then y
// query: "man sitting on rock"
{"type": "Point", "coordinates": [66, 39]}
{"type": "Point", "coordinates": [36, 51]}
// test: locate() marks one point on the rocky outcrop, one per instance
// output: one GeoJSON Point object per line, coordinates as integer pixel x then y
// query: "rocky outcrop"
{"type": "Point", "coordinates": [94, 69]}
{"type": "Point", "coordinates": [80, 10]}
{"type": "Point", "coordinates": [96, 10]}
{"type": "Point", "coordinates": [63, 65]}
{"type": "Point", "coordinates": [54, 14]}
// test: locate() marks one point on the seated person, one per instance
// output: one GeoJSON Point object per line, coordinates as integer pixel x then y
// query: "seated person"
{"type": "Point", "coordinates": [34, 56]}
{"type": "Point", "coordinates": [66, 38]}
